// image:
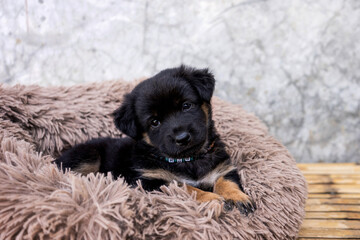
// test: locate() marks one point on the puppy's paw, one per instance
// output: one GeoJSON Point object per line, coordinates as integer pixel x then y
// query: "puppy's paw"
{"type": "Point", "coordinates": [208, 196]}
{"type": "Point", "coordinates": [240, 200]}
{"type": "Point", "coordinates": [203, 196]}
{"type": "Point", "coordinates": [234, 197]}
{"type": "Point", "coordinates": [244, 207]}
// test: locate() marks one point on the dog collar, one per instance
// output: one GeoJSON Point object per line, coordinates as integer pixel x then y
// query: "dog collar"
{"type": "Point", "coordinates": [187, 159]}
{"type": "Point", "coordinates": [178, 160]}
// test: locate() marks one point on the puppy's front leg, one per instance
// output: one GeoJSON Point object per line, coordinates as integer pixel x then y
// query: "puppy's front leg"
{"type": "Point", "coordinates": [203, 196]}
{"type": "Point", "coordinates": [228, 187]}
{"type": "Point", "coordinates": [83, 158]}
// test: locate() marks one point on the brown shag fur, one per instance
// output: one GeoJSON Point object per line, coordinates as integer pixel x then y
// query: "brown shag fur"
{"type": "Point", "coordinates": [37, 201]}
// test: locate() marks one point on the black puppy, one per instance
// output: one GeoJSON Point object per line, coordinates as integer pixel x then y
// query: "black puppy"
{"type": "Point", "coordinates": [171, 137]}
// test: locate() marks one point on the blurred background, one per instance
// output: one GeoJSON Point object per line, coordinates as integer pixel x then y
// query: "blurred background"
{"type": "Point", "coordinates": [295, 63]}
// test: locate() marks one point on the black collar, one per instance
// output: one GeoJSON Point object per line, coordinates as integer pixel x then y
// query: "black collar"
{"type": "Point", "coordinates": [187, 159]}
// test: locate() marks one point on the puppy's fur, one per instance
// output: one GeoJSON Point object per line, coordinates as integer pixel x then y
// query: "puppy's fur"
{"type": "Point", "coordinates": [171, 133]}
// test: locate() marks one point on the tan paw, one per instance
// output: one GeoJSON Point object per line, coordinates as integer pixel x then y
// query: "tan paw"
{"type": "Point", "coordinates": [203, 196]}
{"type": "Point", "coordinates": [233, 196]}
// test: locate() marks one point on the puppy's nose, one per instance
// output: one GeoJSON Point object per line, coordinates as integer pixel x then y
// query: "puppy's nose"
{"type": "Point", "coordinates": [182, 138]}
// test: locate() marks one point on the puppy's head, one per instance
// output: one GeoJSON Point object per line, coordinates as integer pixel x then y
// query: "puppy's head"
{"type": "Point", "coordinates": [170, 111]}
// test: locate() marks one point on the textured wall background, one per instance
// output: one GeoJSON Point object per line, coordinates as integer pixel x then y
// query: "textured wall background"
{"type": "Point", "coordinates": [296, 63]}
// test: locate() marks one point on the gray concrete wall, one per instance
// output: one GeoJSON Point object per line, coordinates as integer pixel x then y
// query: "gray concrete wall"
{"type": "Point", "coordinates": [295, 63]}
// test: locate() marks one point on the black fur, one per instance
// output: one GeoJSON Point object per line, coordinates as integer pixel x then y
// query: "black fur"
{"type": "Point", "coordinates": [234, 176]}
{"type": "Point", "coordinates": [168, 115]}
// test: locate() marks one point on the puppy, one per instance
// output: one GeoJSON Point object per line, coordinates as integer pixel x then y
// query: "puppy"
{"type": "Point", "coordinates": [171, 133]}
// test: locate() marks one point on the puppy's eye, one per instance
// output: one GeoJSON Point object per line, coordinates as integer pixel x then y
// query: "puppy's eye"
{"type": "Point", "coordinates": [186, 106]}
{"type": "Point", "coordinates": [155, 123]}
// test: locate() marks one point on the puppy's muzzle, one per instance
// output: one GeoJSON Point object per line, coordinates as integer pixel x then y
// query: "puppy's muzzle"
{"type": "Point", "coordinates": [183, 138]}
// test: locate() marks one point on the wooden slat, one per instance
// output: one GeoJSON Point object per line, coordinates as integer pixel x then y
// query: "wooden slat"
{"type": "Point", "coordinates": [339, 195]}
{"type": "Point", "coordinates": [325, 165]}
{"type": "Point", "coordinates": [321, 238]}
{"type": "Point", "coordinates": [333, 201]}
{"type": "Point", "coordinates": [332, 179]}
{"type": "Point", "coordinates": [346, 168]}
{"type": "Point", "coordinates": [331, 223]}
{"type": "Point", "coordinates": [330, 233]}
{"type": "Point", "coordinates": [333, 215]}
{"type": "Point", "coordinates": [334, 188]}
{"type": "Point", "coordinates": [332, 208]}
{"type": "Point", "coordinates": [303, 166]}
{"type": "Point", "coordinates": [349, 172]}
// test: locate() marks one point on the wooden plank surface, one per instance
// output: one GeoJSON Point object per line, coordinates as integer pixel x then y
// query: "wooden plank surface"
{"type": "Point", "coordinates": [333, 195]}
{"type": "Point", "coordinates": [330, 233]}
{"type": "Point", "coordinates": [332, 215]}
{"type": "Point", "coordinates": [333, 201]}
{"type": "Point", "coordinates": [332, 179]}
{"type": "Point", "coordinates": [332, 223]}
{"type": "Point", "coordinates": [333, 205]}
{"type": "Point", "coordinates": [334, 188]}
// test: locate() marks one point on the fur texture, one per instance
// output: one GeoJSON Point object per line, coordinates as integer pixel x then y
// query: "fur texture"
{"type": "Point", "coordinates": [37, 201]}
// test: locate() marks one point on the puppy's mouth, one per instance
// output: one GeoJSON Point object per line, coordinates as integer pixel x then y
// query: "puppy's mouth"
{"type": "Point", "coordinates": [188, 152]}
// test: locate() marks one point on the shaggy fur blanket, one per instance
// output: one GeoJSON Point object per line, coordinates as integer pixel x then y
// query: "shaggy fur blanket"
{"type": "Point", "coordinates": [37, 201]}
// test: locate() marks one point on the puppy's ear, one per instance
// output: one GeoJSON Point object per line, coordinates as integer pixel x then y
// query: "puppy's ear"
{"type": "Point", "coordinates": [201, 79]}
{"type": "Point", "coordinates": [125, 118]}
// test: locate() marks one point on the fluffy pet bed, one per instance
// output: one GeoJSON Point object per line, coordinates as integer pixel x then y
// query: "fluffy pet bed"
{"type": "Point", "coordinates": [37, 201]}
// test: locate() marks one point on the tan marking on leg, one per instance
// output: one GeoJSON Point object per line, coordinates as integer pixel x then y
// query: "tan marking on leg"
{"type": "Point", "coordinates": [205, 109]}
{"type": "Point", "coordinates": [86, 168]}
{"type": "Point", "coordinates": [159, 174]}
{"type": "Point", "coordinates": [147, 139]}
{"type": "Point", "coordinates": [230, 190]}
{"type": "Point", "coordinates": [220, 170]}
{"type": "Point", "coordinates": [203, 196]}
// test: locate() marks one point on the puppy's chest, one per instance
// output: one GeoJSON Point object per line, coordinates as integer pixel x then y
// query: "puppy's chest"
{"type": "Point", "coordinates": [203, 177]}
{"type": "Point", "coordinates": [204, 182]}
